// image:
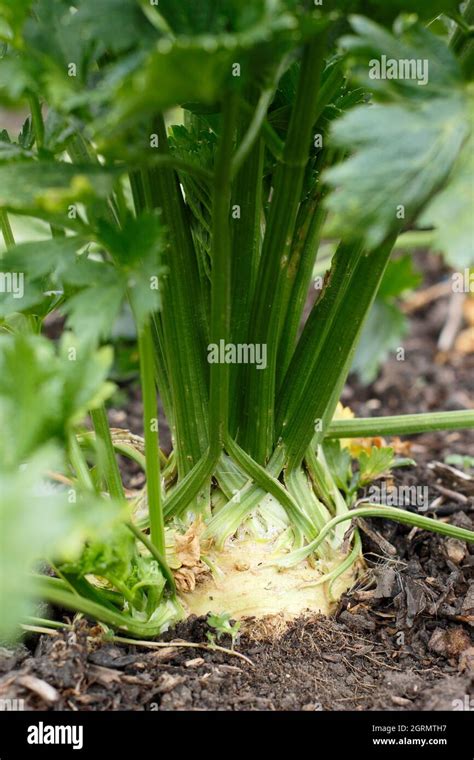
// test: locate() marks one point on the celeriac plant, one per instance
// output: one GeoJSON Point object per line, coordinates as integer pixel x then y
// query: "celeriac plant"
{"type": "Point", "coordinates": [293, 119]}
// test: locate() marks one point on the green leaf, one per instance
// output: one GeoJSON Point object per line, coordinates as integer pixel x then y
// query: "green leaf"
{"type": "Point", "coordinates": [84, 377]}
{"type": "Point", "coordinates": [37, 273]}
{"type": "Point", "coordinates": [44, 258]}
{"type": "Point", "coordinates": [410, 41]}
{"type": "Point", "coordinates": [137, 250]}
{"type": "Point", "coordinates": [92, 311]}
{"type": "Point", "coordinates": [47, 189]}
{"type": "Point", "coordinates": [424, 8]}
{"type": "Point", "coordinates": [29, 403]}
{"type": "Point", "coordinates": [10, 150]}
{"type": "Point", "coordinates": [30, 524]}
{"type": "Point", "coordinates": [339, 462]}
{"type": "Point", "coordinates": [175, 73]}
{"type": "Point", "coordinates": [226, 16]}
{"type": "Point", "coordinates": [16, 78]}
{"type": "Point", "coordinates": [207, 16]}
{"type": "Point", "coordinates": [399, 277]}
{"type": "Point", "coordinates": [93, 286]}
{"type": "Point", "coordinates": [40, 405]}
{"type": "Point", "coordinates": [42, 521]}
{"type": "Point", "coordinates": [14, 12]}
{"type": "Point", "coordinates": [403, 156]}
{"type": "Point", "coordinates": [451, 213]}
{"type": "Point", "coordinates": [402, 152]}
{"type": "Point", "coordinates": [189, 68]}
{"type": "Point", "coordinates": [113, 554]}
{"type": "Point", "coordinates": [386, 325]}
{"type": "Point", "coordinates": [112, 25]}
{"type": "Point", "coordinates": [386, 12]}
{"type": "Point", "coordinates": [460, 460]}
{"type": "Point", "coordinates": [222, 625]}
{"type": "Point", "coordinates": [374, 464]}
{"type": "Point", "coordinates": [26, 137]}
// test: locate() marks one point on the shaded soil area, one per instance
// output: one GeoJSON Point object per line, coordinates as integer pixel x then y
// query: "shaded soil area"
{"type": "Point", "coordinates": [401, 639]}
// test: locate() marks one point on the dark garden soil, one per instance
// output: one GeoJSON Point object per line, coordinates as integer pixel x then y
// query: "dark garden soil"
{"type": "Point", "coordinates": [400, 640]}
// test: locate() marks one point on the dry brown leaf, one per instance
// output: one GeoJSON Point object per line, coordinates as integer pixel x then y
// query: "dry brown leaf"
{"type": "Point", "coordinates": [468, 310]}
{"type": "Point", "coordinates": [366, 444]}
{"type": "Point", "coordinates": [185, 579]}
{"type": "Point", "coordinates": [188, 546]}
{"type": "Point", "coordinates": [401, 448]}
{"type": "Point", "coordinates": [356, 445]}
{"type": "Point", "coordinates": [189, 568]}
{"type": "Point", "coordinates": [465, 342]}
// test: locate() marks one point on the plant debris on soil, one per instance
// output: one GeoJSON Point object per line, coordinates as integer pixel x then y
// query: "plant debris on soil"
{"type": "Point", "coordinates": [401, 639]}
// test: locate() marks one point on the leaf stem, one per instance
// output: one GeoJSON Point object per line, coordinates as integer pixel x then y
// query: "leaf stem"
{"type": "Point", "coordinates": [79, 463]}
{"type": "Point", "coordinates": [415, 239]}
{"type": "Point", "coordinates": [331, 336]}
{"type": "Point", "coordinates": [253, 130]}
{"type": "Point", "coordinates": [462, 42]}
{"type": "Point", "coordinates": [268, 308]}
{"type": "Point", "coordinates": [107, 458]}
{"type": "Point", "coordinates": [246, 247]}
{"type": "Point", "coordinates": [150, 426]}
{"type": "Point", "coordinates": [403, 424]}
{"type": "Point", "coordinates": [181, 322]}
{"type": "Point", "coordinates": [273, 486]}
{"type": "Point", "coordinates": [388, 513]}
{"type": "Point", "coordinates": [7, 231]}
{"type": "Point", "coordinates": [180, 165]}
{"type": "Point", "coordinates": [71, 601]}
{"type": "Point", "coordinates": [275, 145]}
{"type": "Point", "coordinates": [160, 556]}
{"type": "Point", "coordinates": [189, 487]}
{"type": "Point", "coordinates": [221, 277]}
